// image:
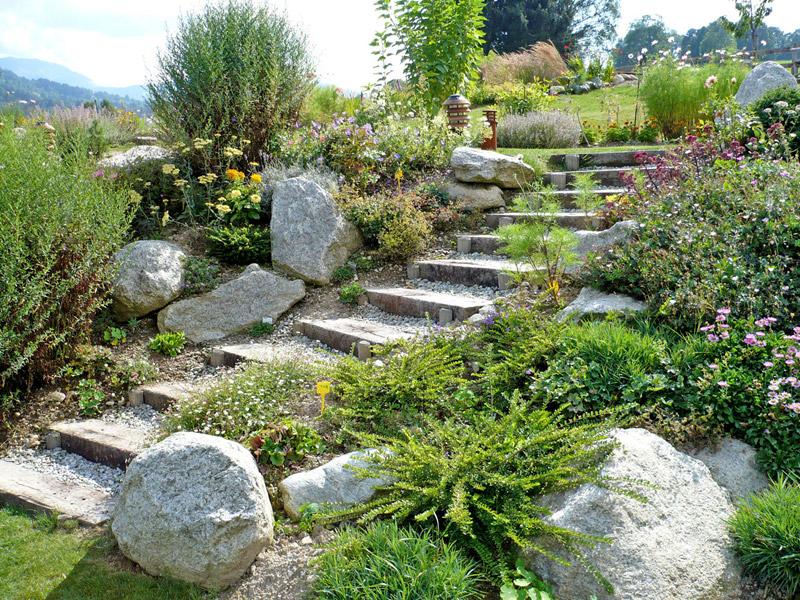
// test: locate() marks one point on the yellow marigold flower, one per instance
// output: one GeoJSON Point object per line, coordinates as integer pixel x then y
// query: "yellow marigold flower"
{"type": "Point", "coordinates": [167, 168]}
{"type": "Point", "coordinates": [235, 194]}
{"type": "Point", "coordinates": [255, 178]}
{"type": "Point", "coordinates": [232, 174]}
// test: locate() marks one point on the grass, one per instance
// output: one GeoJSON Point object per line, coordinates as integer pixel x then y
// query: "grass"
{"type": "Point", "coordinates": [40, 559]}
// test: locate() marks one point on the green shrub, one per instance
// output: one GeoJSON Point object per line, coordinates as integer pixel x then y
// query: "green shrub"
{"type": "Point", "coordinates": [766, 534]}
{"type": "Point", "coordinates": [782, 106]}
{"type": "Point", "coordinates": [58, 232]}
{"type": "Point", "coordinates": [89, 397]}
{"type": "Point", "coordinates": [168, 344]}
{"type": "Point", "coordinates": [236, 70]}
{"type": "Point", "coordinates": [262, 329]}
{"type": "Point", "coordinates": [386, 562]}
{"type": "Point", "coordinates": [674, 94]}
{"type": "Point", "coordinates": [350, 292]}
{"type": "Point", "coordinates": [521, 98]}
{"type": "Point", "coordinates": [202, 275]}
{"type": "Point", "coordinates": [240, 245]}
{"type": "Point", "coordinates": [285, 443]}
{"type": "Point", "coordinates": [343, 274]}
{"type": "Point", "coordinates": [482, 477]}
{"type": "Point", "coordinates": [240, 403]}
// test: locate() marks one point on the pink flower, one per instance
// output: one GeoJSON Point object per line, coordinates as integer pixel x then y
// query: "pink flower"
{"type": "Point", "coordinates": [723, 384]}
{"type": "Point", "coordinates": [711, 81]}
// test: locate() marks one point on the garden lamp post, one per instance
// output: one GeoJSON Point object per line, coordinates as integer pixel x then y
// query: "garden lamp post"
{"type": "Point", "coordinates": [457, 109]}
{"type": "Point", "coordinates": [491, 142]}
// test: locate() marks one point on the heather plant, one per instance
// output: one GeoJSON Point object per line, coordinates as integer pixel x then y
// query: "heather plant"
{"type": "Point", "coordinates": [236, 70]}
{"type": "Point", "coordinates": [246, 400]}
{"type": "Point", "coordinates": [391, 562]}
{"type": "Point", "coordinates": [58, 233]}
{"type": "Point", "coordinates": [482, 477]}
{"type": "Point", "coordinates": [539, 129]}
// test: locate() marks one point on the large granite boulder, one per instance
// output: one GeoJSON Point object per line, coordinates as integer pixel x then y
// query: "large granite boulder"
{"type": "Point", "coordinates": [733, 465]}
{"type": "Point", "coordinates": [194, 507]}
{"type": "Point", "coordinates": [674, 547]}
{"type": "Point", "coordinates": [594, 303]}
{"type": "Point", "coordinates": [766, 76]}
{"type": "Point", "coordinates": [150, 276]}
{"type": "Point", "coordinates": [471, 165]}
{"type": "Point", "coordinates": [476, 196]}
{"type": "Point", "coordinates": [233, 307]}
{"type": "Point", "coordinates": [135, 155]}
{"type": "Point", "coordinates": [310, 235]}
{"type": "Point", "coordinates": [591, 242]}
{"type": "Point", "coordinates": [331, 483]}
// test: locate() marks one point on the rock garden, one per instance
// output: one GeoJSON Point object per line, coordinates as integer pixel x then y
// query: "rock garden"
{"type": "Point", "coordinates": [350, 354]}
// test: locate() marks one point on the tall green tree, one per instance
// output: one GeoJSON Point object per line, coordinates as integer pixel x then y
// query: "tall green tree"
{"type": "Point", "coordinates": [646, 36]}
{"type": "Point", "coordinates": [438, 42]}
{"type": "Point", "coordinates": [717, 37]}
{"type": "Point", "coordinates": [751, 17]}
{"type": "Point", "coordinates": [515, 24]}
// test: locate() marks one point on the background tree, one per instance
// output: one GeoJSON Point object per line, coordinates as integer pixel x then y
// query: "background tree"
{"type": "Point", "coordinates": [751, 17]}
{"type": "Point", "coordinates": [438, 42]}
{"type": "Point", "coordinates": [515, 24]}
{"type": "Point", "coordinates": [716, 37]}
{"type": "Point", "coordinates": [641, 35]}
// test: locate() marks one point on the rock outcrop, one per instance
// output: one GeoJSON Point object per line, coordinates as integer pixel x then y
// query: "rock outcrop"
{"type": "Point", "coordinates": [766, 76]}
{"type": "Point", "coordinates": [471, 165]}
{"type": "Point", "coordinates": [150, 276]}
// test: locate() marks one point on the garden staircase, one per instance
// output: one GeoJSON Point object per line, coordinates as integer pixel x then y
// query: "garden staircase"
{"type": "Point", "coordinates": [99, 441]}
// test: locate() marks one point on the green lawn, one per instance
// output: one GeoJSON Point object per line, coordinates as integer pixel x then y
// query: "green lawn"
{"type": "Point", "coordinates": [40, 561]}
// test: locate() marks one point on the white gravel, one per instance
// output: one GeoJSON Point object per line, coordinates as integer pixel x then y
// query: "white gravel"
{"type": "Point", "coordinates": [474, 291]}
{"type": "Point", "coordinates": [143, 417]}
{"type": "Point", "coordinates": [69, 468]}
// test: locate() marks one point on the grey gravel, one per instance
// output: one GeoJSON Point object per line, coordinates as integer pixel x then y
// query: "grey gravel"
{"type": "Point", "coordinates": [474, 291]}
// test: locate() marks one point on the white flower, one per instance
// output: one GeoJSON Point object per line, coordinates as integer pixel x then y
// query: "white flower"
{"type": "Point", "coordinates": [671, 39]}
{"type": "Point", "coordinates": [654, 42]}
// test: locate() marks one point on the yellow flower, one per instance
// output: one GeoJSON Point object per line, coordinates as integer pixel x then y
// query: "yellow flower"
{"type": "Point", "coordinates": [167, 168]}
{"type": "Point", "coordinates": [235, 194]}
{"type": "Point", "coordinates": [135, 196]}
{"type": "Point", "coordinates": [221, 199]}
{"type": "Point", "coordinates": [245, 142]}
{"type": "Point", "coordinates": [217, 134]}
{"type": "Point", "coordinates": [175, 171]}
{"type": "Point", "coordinates": [181, 182]}
{"type": "Point", "coordinates": [255, 178]}
{"type": "Point", "coordinates": [210, 204]}
{"type": "Point", "coordinates": [223, 208]}
{"type": "Point", "coordinates": [255, 198]}
{"type": "Point", "coordinates": [398, 175]}
{"type": "Point", "coordinates": [165, 218]}
{"type": "Point", "coordinates": [232, 174]}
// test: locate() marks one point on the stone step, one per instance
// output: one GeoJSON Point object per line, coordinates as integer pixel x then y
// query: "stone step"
{"type": "Point", "coordinates": [345, 334]}
{"type": "Point", "coordinates": [486, 273]}
{"type": "Point", "coordinates": [570, 220]}
{"type": "Point", "coordinates": [30, 489]}
{"type": "Point", "coordinates": [230, 356]}
{"type": "Point", "coordinates": [162, 395]}
{"type": "Point", "coordinates": [106, 443]}
{"type": "Point", "coordinates": [568, 198]}
{"type": "Point", "coordinates": [419, 303]}
{"type": "Point", "coordinates": [624, 158]}
{"type": "Point", "coordinates": [483, 244]}
{"type": "Point", "coordinates": [608, 178]}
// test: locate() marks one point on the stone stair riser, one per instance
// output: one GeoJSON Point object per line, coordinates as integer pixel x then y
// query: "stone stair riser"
{"type": "Point", "coordinates": [427, 305]}
{"type": "Point", "coordinates": [577, 220]}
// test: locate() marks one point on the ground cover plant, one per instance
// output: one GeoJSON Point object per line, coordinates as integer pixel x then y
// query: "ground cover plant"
{"type": "Point", "coordinates": [55, 275]}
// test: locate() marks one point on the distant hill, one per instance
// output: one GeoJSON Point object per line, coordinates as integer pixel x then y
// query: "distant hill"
{"type": "Point", "coordinates": [47, 94]}
{"type": "Point", "coordinates": [32, 68]}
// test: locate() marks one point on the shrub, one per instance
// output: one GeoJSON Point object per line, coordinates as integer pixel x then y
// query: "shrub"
{"type": "Point", "coordinates": [766, 534]}
{"type": "Point", "coordinates": [519, 99]}
{"type": "Point", "coordinates": [202, 275]}
{"type": "Point", "coordinates": [393, 563]}
{"type": "Point", "coordinates": [284, 443]}
{"type": "Point", "coordinates": [262, 329]}
{"type": "Point", "coordinates": [58, 233]}
{"type": "Point", "coordinates": [168, 344]}
{"type": "Point", "coordinates": [541, 61]}
{"type": "Point", "coordinates": [543, 129]}
{"type": "Point", "coordinates": [350, 292]}
{"type": "Point", "coordinates": [235, 70]}
{"type": "Point", "coordinates": [89, 129]}
{"type": "Point", "coordinates": [343, 274]}
{"type": "Point", "coordinates": [782, 106]}
{"type": "Point", "coordinates": [244, 401]}
{"type": "Point", "coordinates": [483, 476]}
{"type": "Point", "coordinates": [240, 245]}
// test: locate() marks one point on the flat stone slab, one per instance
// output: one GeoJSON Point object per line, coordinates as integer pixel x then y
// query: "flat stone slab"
{"type": "Point", "coordinates": [419, 303]}
{"type": "Point", "coordinates": [162, 395]}
{"type": "Point", "coordinates": [571, 220]}
{"type": "Point", "coordinates": [102, 442]}
{"type": "Point", "coordinates": [606, 159]}
{"type": "Point", "coordinates": [233, 355]}
{"type": "Point", "coordinates": [592, 302]}
{"type": "Point", "coordinates": [468, 272]}
{"type": "Point", "coordinates": [343, 334]}
{"type": "Point", "coordinates": [40, 492]}
{"type": "Point", "coordinates": [485, 244]}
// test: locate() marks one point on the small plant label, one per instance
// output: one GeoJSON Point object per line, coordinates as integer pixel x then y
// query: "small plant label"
{"type": "Point", "coordinates": [323, 388]}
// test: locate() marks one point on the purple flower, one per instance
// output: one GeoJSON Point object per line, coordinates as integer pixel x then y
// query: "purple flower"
{"type": "Point", "coordinates": [769, 364]}
{"type": "Point", "coordinates": [707, 328]}
{"type": "Point", "coordinates": [750, 339]}
{"type": "Point", "coordinates": [320, 160]}
{"type": "Point", "coordinates": [713, 366]}
{"type": "Point", "coordinates": [528, 372]}
{"type": "Point", "coordinates": [712, 338]}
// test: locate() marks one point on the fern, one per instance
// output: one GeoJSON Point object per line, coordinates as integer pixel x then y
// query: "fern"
{"type": "Point", "coordinates": [483, 476]}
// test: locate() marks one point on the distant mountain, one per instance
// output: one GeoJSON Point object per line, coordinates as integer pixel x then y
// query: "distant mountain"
{"type": "Point", "coordinates": [48, 94]}
{"type": "Point", "coordinates": [33, 68]}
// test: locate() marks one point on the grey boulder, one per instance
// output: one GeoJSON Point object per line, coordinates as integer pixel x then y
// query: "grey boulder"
{"type": "Point", "coordinates": [135, 155]}
{"type": "Point", "coordinates": [476, 196]}
{"type": "Point", "coordinates": [331, 483]}
{"type": "Point", "coordinates": [150, 276]}
{"type": "Point", "coordinates": [310, 235]}
{"type": "Point", "coordinates": [592, 302]}
{"type": "Point", "coordinates": [733, 465]}
{"type": "Point", "coordinates": [233, 307]}
{"type": "Point", "coordinates": [674, 547]}
{"type": "Point", "coordinates": [766, 76]}
{"type": "Point", "coordinates": [484, 166]}
{"type": "Point", "coordinates": [194, 507]}
{"type": "Point", "coordinates": [590, 242]}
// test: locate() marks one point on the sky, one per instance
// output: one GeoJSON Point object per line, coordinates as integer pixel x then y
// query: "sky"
{"type": "Point", "coordinates": [114, 43]}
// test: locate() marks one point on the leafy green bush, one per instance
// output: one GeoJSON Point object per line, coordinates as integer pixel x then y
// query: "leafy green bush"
{"type": "Point", "coordinates": [343, 274]}
{"type": "Point", "coordinates": [483, 477]}
{"type": "Point", "coordinates": [766, 534]}
{"type": "Point", "coordinates": [384, 561]}
{"type": "Point", "coordinates": [168, 344]}
{"type": "Point", "coordinates": [202, 275]}
{"type": "Point", "coordinates": [286, 442]}
{"type": "Point", "coordinates": [261, 329]}
{"type": "Point", "coordinates": [235, 70]}
{"type": "Point", "coordinates": [242, 402]}
{"type": "Point", "coordinates": [58, 233]}
{"type": "Point", "coordinates": [523, 98]}
{"type": "Point", "coordinates": [240, 245]}
{"type": "Point", "coordinates": [350, 292]}
{"type": "Point", "coordinates": [89, 397]}
{"type": "Point", "coordinates": [539, 129]}
{"type": "Point", "coordinates": [674, 94]}
{"type": "Point", "coordinates": [782, 106]}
